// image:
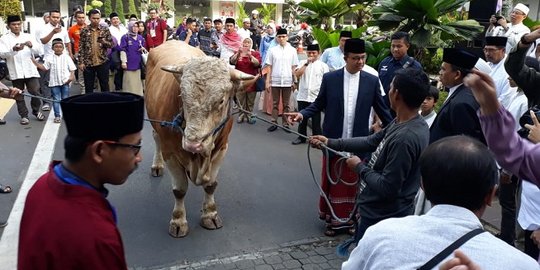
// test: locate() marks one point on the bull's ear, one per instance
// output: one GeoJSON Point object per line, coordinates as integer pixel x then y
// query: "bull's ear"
{"type": "Point", "coordinates": [177, 69]}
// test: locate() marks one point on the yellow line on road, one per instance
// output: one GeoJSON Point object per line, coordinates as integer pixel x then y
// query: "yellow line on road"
{"type": "Point", "coordinates": [5, 105]}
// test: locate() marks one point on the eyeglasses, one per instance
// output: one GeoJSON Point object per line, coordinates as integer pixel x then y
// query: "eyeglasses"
{"type": "Point", "coordinates": [518, 12]}
{"type": "Point", "coordinates": [136, 148]}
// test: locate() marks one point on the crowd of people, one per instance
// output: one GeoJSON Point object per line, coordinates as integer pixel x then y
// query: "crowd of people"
{"type": "Point", "coordinates": [414, 182]}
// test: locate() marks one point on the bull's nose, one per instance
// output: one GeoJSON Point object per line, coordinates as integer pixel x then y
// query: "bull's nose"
{"type": "Point", "coordinates": [193, 147]}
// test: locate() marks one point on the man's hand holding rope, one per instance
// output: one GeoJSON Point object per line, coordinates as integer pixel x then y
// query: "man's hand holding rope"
{"type": "Point", "coordinates": [10, 92]}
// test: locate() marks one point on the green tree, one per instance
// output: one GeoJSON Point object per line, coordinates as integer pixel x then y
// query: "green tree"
{"type": "Point", "coordinates": [426, 20]}
{"type": "Point", "coordinates": [266, 12]}
{"type": "Point", "coordinates": [10, 7]}
{"type": "Point", "coordinates": [107, 7]}
{"type": "Point", "coordinates": [319, 12]}
{"type": "Point", "coordinates": [132, 9]}
{"type": "Point", "coordinates": [119, 7]}
{"type": "Point", "coordinates": [242, 14]}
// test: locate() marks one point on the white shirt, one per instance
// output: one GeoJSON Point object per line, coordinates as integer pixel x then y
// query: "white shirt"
{"type": "Point", "coordinates": [451, 91]}
{"type": "Point", "coordinates": [309, 83]}
{"type": "Point", "coordinates": [518, 106]}
{"type": "Point", "coordinates": [45, 31]}
{"type": "Point", "coordinates": [513, 34]}
{"type": "Point", "coordinates": [118, 32]}
{"type": "Point", "coordinates": [502, 85]}
{"type": "Point", "coordinates": [529, 210]}
{"type": "Point", "coordinates": [282, 59]}
{"type": "Point", "coordinates": [244, 33]}
{"type": "Point", "coordinates": [350, 94]}
{"type": "Point", "coordinates": [19, 63]}
{"type": "Point", "coordinates": [409, 242]}
{"type": "Point", "coordinates": [428, 118]}
{"type": "Point", "coordinates": [60, 67]}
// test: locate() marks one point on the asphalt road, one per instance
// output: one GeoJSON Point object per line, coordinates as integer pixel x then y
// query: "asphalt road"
{"type": "Point", "coordinates": [266, 196]}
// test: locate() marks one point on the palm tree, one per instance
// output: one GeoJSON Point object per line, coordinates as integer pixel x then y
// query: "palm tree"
{"type": "Point", "coordinates": [319, 12]}
{"type": "Point", "coordinates": [426, 20]}
{"type": "Point", "coordinates": [266, 12]}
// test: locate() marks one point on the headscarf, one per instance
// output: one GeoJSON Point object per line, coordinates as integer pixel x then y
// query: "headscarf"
{"type": "Point", "coordinates": [130, 29]}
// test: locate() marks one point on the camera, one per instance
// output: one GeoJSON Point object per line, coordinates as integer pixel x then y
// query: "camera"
{"type": "Point", "coordinates": [526, 119]}
{"type": "Point", "coordinates": [497, 18]}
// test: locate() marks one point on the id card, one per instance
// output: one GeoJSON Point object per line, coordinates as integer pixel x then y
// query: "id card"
{"type": "Point", "coordinates": [153, 32]}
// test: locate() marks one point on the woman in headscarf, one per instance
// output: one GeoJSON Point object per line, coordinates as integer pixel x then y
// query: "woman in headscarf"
{"type": "Point", "coordinates": [132, 46]}
{"type": "Point", "coordinates": [248, 61]}
{"type": "Point", "coordinates": [230, 42]}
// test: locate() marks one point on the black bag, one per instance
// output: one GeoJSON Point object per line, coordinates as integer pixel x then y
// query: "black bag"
{"type": "Point", "coordinates": [526, 119]}
{"type": "Point", "coordinates": [260, 83]}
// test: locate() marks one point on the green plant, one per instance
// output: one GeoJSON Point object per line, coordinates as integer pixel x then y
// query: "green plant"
{"type": "Point", "coordinates": [165, 10]}
{"type": "Point", "coordinates": [119, 7]}
{"type": "Point", "coordinates": [376, 51]}
{"type": "Point", "coordinates": [530, 23]}
{"type": "Point", "coordinates": [10, 7]}
{"type": "Point", "coordinates": [442, 97]}
{"type": "Point", "coordinates": [319, 12]}
{"type": "Point", "coordinates": [132, 9]}
{"type": "Point", "coordinates": [242, 14]}
{"type": "Point", "coordinates": [266, 12]}
{"type": "Point", "coordinates": [107, 7]}
{"type": "Point", "coordinates": [423, 19]}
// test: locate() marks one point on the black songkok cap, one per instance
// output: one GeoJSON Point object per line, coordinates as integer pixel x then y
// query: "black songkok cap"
{"type": "Point", "coordinates": [345, 34]}
{"type": "Point", "coordinates": [103, 116]}
{"type": "Point", "coordinates": [281, 31]}
{"type": "Point", "coordinates": [459, 58]}
{"type": "Point", "coordinates": [496, 41]}
{"type": "Point", "coordinates": [229, 20]}
{"type": "Point", "coordinates": [355, 45]}
{"type": "Point", "coordinates": [313, 47]}
{"type": "Point", "coordinates": [13, 18]}
{"type": "Point", "coordinates": [112, 15]}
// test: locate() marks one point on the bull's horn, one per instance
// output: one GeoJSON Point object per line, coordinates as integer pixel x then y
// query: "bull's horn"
{"type": "Point", "coordinates": [177, 69]}
{"type": "Point", "coordinates": [237, 75]}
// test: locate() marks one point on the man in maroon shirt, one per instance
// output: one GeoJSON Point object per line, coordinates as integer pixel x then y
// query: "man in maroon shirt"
{"type": "Point", "coordinates": [67, 221]}
{"type": "Point", "coordinates": [156, 29]}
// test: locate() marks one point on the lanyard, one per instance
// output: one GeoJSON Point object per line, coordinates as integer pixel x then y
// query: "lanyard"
{"type": "Point", "coordinates": [69, 178]}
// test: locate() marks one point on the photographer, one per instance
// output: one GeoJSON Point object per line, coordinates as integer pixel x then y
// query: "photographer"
{"type": "Point", "coordinates": [498, 26]}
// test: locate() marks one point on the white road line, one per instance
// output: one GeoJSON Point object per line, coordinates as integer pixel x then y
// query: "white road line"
{"type": "Point", "coordinates": [9, 243]}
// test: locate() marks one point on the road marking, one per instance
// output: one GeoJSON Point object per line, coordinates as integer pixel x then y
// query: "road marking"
{"type": "Point", "coordinates": [9, 243]}
{"type": "Point", "coordinates": [5, 106]}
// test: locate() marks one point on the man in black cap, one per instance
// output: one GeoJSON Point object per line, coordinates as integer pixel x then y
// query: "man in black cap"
{"type": "Point", "coordinates": [458, 114]}
{"type": "Point", "coordinates": [333, 57]}
{"type": "Point", "coordinates": [309, 73]}
{"type": "Point", "coordinates": [346, 96]}
{"type": "Point", "coordinates": [495, 53]}
{"type": "Point", "coordinates": [216, 37]}
{"type": "Point", "coordinates": [230, 42]}
{"type": "Point", "coordinates": [67, 222]}
{"type": "Point", "coordinates": [18, 48]}
{"type": "Point", "coordinates": [281, 61]}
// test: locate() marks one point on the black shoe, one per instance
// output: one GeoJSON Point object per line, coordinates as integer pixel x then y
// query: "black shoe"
{"type": "Point", "coordinates": [2, 122]}
{"type": "Point", "coordinates": [272, 128]}
{"type": "Point", "coordinates": [298, 141]}
{"type": "Point", "coordinates": [287, 129]}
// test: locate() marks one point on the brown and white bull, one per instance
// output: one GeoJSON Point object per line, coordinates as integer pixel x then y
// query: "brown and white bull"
{"type": "Point", "coordinates": [181, 80]}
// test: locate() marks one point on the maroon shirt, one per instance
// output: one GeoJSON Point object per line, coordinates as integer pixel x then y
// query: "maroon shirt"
{"type": "Point", "coordinates": [158, 25]}
{"type": "Point", "coordinates": [66, 226]}
{"type": "Point", "coordinates": [244, 64]}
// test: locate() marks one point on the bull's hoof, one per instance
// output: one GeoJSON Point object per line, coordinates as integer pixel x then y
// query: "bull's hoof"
{"type": "Point", "coordinates": [157, 171]}
{"type": "Point", "coordinates": [178, 231]}
{"type": "Point", "coordinates": [212, 223]}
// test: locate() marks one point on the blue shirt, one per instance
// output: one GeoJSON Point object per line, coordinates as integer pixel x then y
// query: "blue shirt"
{"type": "Point", "coordinates": [389, 66]}
{"type": "Point", "coordinates": [193, 40]}
{"type": "Point", "coordinates": [334, 58]}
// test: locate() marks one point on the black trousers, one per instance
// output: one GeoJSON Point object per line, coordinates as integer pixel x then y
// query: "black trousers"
{"type": "Point", "coordinates": [507, 200]}
{"type": "Point", "coordinates": [531, 248]}
{"type": "Point", "coordinates": [118, 79]}
{"type": "Point", "coordinates": [102, 73]}
{"type": "Point", "coordinates": [315, 121]}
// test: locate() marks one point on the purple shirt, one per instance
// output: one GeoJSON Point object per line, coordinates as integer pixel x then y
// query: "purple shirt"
{"type": "Point", "coordinates": [131, 46]}
{"type": "Point", "coordinates": [513, 153]}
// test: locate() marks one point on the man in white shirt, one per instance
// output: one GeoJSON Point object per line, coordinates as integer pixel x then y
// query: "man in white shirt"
{"type": "Point", "coordinates": [309, 74]}
{"type": "Point", "coordinates": [18, 49]}
{"type": "Point", "coordinates": [281, 61]}
{"type": "Point", "coordinates": [244, 32]}
{"type": "Point", "coordinates": [495, 53]}
{"type": "Point", "coordinates": [50, 31]}
{"type": "Point", "coordinates": [499, 27]}
{"type": "Point", "coordinates": [117, 31]}
{"type": "Point", "coordinates": [461, 184]}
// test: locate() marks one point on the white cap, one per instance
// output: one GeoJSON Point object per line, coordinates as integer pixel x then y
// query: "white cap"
{"type": "Point", "coordinates": [482, 66]}
{"type": "Point", "coordinates": [246, 20]}
{"type": "Point", "coordinates": [522, 8]}
{"type": "Point", "coordinates": [255, 11]}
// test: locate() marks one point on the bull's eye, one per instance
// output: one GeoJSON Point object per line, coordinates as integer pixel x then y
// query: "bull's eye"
{"type": "Point", "coordinates": [221, 102]}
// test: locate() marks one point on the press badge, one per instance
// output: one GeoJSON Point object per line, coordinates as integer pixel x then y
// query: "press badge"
{"type": "Point", "coordinates": [153, 32]}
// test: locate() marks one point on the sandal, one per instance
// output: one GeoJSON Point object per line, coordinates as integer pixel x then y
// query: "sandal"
{"type": "Point", "coordinates": [5, 189]}
{"type": "Point", "coordinates": [330, 232]}
{"type": "Point", "coordinates": [40, 116]}
{"type": "Point", "coordinates": [57, 120]}
{"type": "Point", "coordinates": [24, 121]}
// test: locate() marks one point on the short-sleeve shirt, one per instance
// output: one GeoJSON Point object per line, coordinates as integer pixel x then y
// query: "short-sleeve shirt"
{"type": "Point", "coordinates": [47, 48]}
{"type": "Point", "coordinates": [75, 35]}
{"type": "Point", "coordinates": [60, 67]}
{"type": "Point", "coordinates": [193, 40]}
{"type": "Point", "coordinates": [154, 32]}
{"type": "Point", "coordinates": [282, 59]}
